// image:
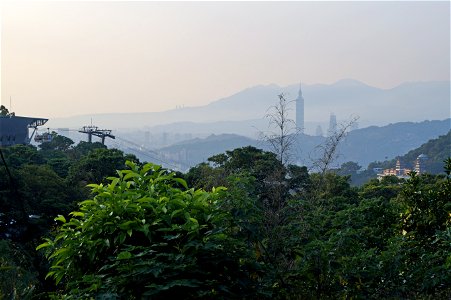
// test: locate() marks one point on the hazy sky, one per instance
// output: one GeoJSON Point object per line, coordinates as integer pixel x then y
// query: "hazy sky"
{"type": "Point", "coordinates": [68, 58]}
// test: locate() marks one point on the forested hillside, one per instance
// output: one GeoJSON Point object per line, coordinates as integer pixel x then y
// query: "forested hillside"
{"type": "Point", "coordinates": [379, 143]}
{"type": "Point", "coordinates": [242, 225]}
{"type": "Point", "coordinates": [437, 150]}
{"type": "Point", "coordinates": [362, 146]}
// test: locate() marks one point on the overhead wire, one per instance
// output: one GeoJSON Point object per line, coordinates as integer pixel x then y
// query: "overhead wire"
{"type": "Point", "coordinates": [8, 172]}
{"type": "Point", "coordinates": [148, 152]}
{"type": "Point", "coordinates": [15, 192]}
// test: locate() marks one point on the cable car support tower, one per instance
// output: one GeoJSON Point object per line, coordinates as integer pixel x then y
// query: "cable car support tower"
{"type": "Point", "coordinates": [92, 130]}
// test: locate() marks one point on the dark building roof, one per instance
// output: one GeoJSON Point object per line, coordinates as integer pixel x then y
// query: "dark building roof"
{"type": "Point", "coordinates": [14, 130]}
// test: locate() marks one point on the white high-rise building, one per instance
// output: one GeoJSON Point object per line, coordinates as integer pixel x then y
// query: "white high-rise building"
{"type": "Point", "coordinates": [300, 111]}
{"type": "Point", "coordinates": [332, 124]}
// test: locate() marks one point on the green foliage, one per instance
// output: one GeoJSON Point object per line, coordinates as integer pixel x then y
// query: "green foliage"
{"type": "Point", "coordinates": [263, 209]}
{"type": "Point", "coordinates": [4, 112]}
{"type": "Point", "coordinates": [358, 177]}
{"type": "Point", "coordinates": [349, 168]}
{"type": "Point", "coordinates": [275, 232]}
{"type": "Point", "coordinates": [425, 226]}
{"type": "Point", "coordinates": [19, 155]}
{"type": "Point", "coordinates": [332, 191]}
{"type": "Point", "coordinates": [206, 177]}
{"type": "Point", "coordinates": [392, 241]}
{"type": "Point", "coordinates": [37, 192]}
{"type": "Point", "coordinates": [427, 205]}
{"type": "Point", "coordinates": [247, 160]}
{"type": "Point", "coordinates": [18, 279]}
{"type": "Point", "coordinates": [96, 166]}
{"type": "Point", "coordinates": [438, 150]}
{"type": "Point", "coordinates": [387, 188]}
{"type": "Point", "coordinates": [141, 236]}
{"type": "Point", "coordinates": [58, 142]}
{"type": "Point", "coordinates": [83, 148]}
{"type": "Point", "coordinates": [45, 192]}
{"type": "Point", "coordinates": [60, 166]}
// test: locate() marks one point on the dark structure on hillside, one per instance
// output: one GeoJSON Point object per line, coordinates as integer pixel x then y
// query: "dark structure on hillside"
{"type": "Point", "coordinates": [92, 130]}
{"type": "Point", "coordinates": [16, 130]}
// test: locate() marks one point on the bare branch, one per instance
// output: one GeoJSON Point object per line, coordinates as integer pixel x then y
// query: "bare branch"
{"type": "Point", "coordinates": [330, 146]}
{"type": "Point", "coordinates": [282, 136]}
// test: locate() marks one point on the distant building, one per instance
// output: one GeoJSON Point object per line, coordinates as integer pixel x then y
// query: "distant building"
{"type": "Point", "coordinates": [16, 130]}
{"type": "Point", "coordinates": [398, 171]}
{"type": "Point", "coordinates": [300, 111]}
{"type": "Point", "coordinates": [378, 170]}
{"type": "Point", "coordinates": [401, 172]}
{"type": "Point", "coordinates": [420, 163]}
{"type": "Point", "coordinates": [332, 124]}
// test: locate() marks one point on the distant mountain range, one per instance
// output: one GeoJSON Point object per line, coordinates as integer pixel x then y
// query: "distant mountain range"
{"type": "Point", "coordinates": [363, 146]}
{"type": "Point", "coordinates": [238, 113]}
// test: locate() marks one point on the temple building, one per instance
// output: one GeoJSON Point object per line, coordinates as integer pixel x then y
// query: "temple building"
{"type": "Point", "coordinates": [401, 172]}
{"type": "Point", "coordinates": [420, 163]}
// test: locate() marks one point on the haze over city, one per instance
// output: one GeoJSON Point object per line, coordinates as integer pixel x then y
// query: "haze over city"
{"type": "Point", "coordinates": [61, 59]}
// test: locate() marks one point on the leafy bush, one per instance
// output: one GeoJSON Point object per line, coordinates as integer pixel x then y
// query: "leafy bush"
{"type": "Point", "coordinates": [147, 235]}
{"type": "Point", "coordinates": [18, 278]}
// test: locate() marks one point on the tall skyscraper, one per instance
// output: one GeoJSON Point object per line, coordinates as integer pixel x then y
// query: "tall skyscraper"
{"type": "Point", "coordinates": [332, 124]}
{"type": "Point", "coordinates": [300, 111]}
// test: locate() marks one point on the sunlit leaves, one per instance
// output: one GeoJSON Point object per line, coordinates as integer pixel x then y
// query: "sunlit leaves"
{"type": "Point", "coordinates": [144, 227]}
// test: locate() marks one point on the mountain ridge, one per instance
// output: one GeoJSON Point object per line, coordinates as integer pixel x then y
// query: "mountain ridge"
{"type": "Point", "coordinates": [406, 102]}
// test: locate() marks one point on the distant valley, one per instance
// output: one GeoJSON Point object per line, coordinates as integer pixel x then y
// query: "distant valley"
{"type": "Point", "coordinates": [391, 121]}
{"type": "Point", "coordinates": [363, 146]}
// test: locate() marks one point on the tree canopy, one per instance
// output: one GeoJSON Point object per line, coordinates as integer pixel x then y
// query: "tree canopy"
{"type": "Point", "coordinates": [145, 234]}
{"type": "Point", "coordinates": [241, 225]}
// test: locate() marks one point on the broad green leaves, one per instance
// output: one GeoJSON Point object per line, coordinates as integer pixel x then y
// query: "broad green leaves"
{"type": "Point", "coordinates": [148, 231]}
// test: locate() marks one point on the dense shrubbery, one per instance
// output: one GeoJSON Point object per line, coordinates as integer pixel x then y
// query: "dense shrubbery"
{"type": "Point", "coordinates": [275, 231]}
{"type": "Point", "coordinates": [146, 235]}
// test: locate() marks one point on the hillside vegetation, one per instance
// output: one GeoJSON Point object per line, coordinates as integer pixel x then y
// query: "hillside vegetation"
{"type": "Point", "coordinates": [240, 226]}
{"type": "Point", "coordinates": [362, 146]}
{"type": "Point", "coordinates": [437, 150]}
